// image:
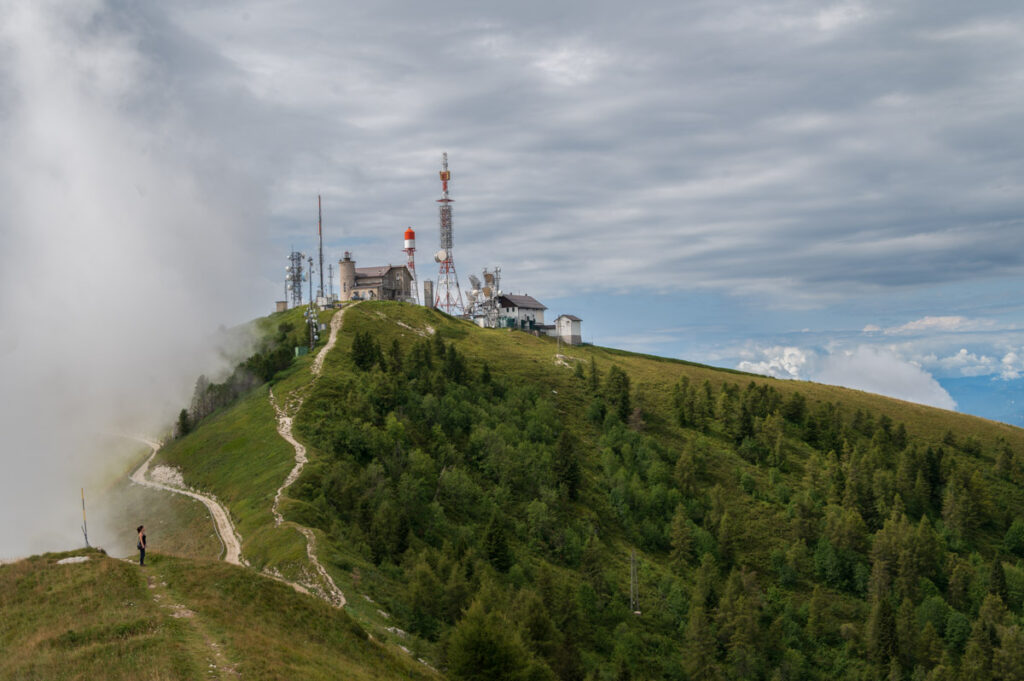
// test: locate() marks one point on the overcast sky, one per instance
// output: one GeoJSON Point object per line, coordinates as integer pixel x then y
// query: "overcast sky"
{"type": "Point", "coordinates": [729, 182]}
{"type": "Point", "coordinates": [814, 190]}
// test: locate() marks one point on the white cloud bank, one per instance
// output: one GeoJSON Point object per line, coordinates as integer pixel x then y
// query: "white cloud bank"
{"type": "Point", "coordinates": [119, 255]}
{"type": "Point", "coordinates": [944, 324]}
{"type": "Point", "coordinates": [872, 369]}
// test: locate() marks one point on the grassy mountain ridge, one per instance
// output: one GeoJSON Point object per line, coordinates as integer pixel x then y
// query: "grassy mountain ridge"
{"type": "Point", "coordinates": [175, 619]}
{"type": "Point", "coordinates": [681, 488]}
{"type": "Point", "coordinates": [484, 493]}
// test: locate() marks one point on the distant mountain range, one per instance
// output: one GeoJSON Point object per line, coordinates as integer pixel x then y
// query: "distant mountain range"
{"type": "Point", "coordinates": [992, 399]}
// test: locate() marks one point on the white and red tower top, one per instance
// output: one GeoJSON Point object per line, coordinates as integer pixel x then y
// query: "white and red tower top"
{"type": "Point", "coordinates": [448, 295]}
{"type": "Point", "coordinates": [410, 250]}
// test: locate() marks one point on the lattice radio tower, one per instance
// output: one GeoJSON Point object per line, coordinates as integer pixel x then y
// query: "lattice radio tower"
{"type": "Point", "coordinates": [294, 276]}
{"type": "Point", "coordinates": [447, 295]}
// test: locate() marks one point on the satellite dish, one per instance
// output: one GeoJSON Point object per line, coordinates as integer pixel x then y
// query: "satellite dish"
{"type": "Point", "coordinates": [441, 255]}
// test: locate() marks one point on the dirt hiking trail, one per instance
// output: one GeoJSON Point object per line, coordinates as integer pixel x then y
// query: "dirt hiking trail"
{"type": "Point", "coordinates": [229, 537]}
{"type": "Point", "coordinates": [329, 590]}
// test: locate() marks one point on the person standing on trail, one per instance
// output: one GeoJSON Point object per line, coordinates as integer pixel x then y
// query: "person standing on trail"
{"type": "Point", "coordinates": [142, 544]}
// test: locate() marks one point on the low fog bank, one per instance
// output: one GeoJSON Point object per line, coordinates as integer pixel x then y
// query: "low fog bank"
{"type": "Point", "coordinates": [123, 233]}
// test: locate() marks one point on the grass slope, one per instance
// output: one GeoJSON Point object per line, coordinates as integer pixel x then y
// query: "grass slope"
{"type": "Point", "coordinates": [175, 619]}
{"type": "Point", "coordinates": [237, 455]}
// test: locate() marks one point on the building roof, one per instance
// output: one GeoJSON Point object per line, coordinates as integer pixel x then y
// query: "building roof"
{"type": "Point", "coordinates": [523, 302]}
{"type": "Point", "coordinates": [379, 271]}
{"type": "Point", "coordinates": [570, 317]}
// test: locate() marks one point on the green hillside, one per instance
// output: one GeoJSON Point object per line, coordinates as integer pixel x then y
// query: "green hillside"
{"type": "Point", "coordinates": [477, 497]}
{"type": "Point", "coordinates": [175, 619]}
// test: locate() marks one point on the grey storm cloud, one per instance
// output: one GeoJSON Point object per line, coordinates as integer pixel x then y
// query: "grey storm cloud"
{"type": "Point", "coordinates": [771, 147]}
{"type": "Point", "coordinates": [157, 160]}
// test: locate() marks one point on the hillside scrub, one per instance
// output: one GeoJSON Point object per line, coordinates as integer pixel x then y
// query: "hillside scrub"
{"type": "Point", "coordinates": [274, 353]}
{"type": "Point", "coordinates": [472, 485]}
{"type": "Point", "coordinates": [781, 536]}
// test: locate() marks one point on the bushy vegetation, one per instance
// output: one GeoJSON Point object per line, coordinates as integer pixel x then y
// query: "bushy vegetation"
{"type": "Point", "coordinates": [780, 535]}
{"type": "Point", "coordinates": [275, 353]}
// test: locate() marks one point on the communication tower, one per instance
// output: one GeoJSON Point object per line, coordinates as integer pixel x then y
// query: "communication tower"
{"type": "Point", "coordinates": [483, 298]}
{"type": "Point", "coordinates": [410, 250]}
{"type": "Point", "coordinates": [330, 281]}
{"type": "Point", "coordinates": [447, 295]}
{"type": "Point", "coordinates": [294, 276]}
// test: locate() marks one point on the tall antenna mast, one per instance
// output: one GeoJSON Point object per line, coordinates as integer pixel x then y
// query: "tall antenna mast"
{"type": "Point", "coordinates": [447, 296]}
{"type": "Point", "coordinates": [320, 229]}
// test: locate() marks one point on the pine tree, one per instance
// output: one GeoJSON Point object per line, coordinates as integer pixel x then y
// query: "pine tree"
{"type": "Point", "coordinates": [906, 634]}
{"type": "Point", "coordinates": [568, 472]}
{"type": "Point", "coordinates": [818, 621]}
{"type": "Point", "coordinates": [483, 647]}
{"type": "Point", "coordinates": [880, 632]}
{"type": "Point", "coordinates": [395, 357]}
{"type": "Point", "coordinates": [929, 646]}
{"type": "Point", "coordinates": [681, 538]}
{"type": "Point", "coordinates": [365, 350]}
{"type": "Point", "coordinates": [977, 661]}
{"type": "Point", "coordinates": [496, 547]}
{"type": "Point", "coordinates": [184, 425]}
{"type": "Point", "coordinates": [997, 580]}
{"type": "Point", "coordinates": [616, 392]}
{"type": "Point", "coordinates": [425, 600]}
{"type": "Point", "coordinates": [699, 653]}
{"type": "Point", "coordinates": [1008, 659]}
{"type": "Point", "coordinates": [437, 346]}
{"type": "Point", "coordinates": [959, 585]}
{"type": "Point", "coordinates": [594, 377]}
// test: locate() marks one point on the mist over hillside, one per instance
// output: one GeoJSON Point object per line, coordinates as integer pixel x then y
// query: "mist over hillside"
{"type": "Point", "coordinates": [120, 255]}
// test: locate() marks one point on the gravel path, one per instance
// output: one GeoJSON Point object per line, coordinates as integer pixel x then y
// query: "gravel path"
{"type": "Point", "coordinates": [330, 592]}
{"type": "Point", "coordinates": [221, 520]}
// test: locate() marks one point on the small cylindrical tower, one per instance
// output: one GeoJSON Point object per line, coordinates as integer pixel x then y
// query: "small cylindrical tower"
{"type": "Point", "coordinates": [410, 250]}
{"type": "Point", "coordinates": [428, 293]}
{"type": "Point", "coordinates": [347, 276]}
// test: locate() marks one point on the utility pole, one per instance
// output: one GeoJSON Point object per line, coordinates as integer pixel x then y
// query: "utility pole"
{"type": "Point", "coordinates": [85, 526]}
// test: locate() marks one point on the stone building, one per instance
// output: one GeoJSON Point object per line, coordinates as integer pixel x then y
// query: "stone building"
{"type": "Point", "coordinates": [384, 282]}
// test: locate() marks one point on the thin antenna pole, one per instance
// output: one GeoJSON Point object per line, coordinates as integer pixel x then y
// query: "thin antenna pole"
{"type": "Point", "coordinates": [320, 229]}
{"type": "Point", "coordinates": [85, 526]}
{"type": "Point", "coordinates": [311, 283]}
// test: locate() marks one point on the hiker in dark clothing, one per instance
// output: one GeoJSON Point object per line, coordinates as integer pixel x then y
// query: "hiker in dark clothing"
{"type": "Point", "coordinates": [142, 544]}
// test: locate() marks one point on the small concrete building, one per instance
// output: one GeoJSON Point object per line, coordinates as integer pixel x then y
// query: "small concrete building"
{"type": "Point", "coordinates": [569, 329]}
{"type": "Point", "coordinates": [520, 312]}
{"type": "Point", "coordinates": [384, 282]}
